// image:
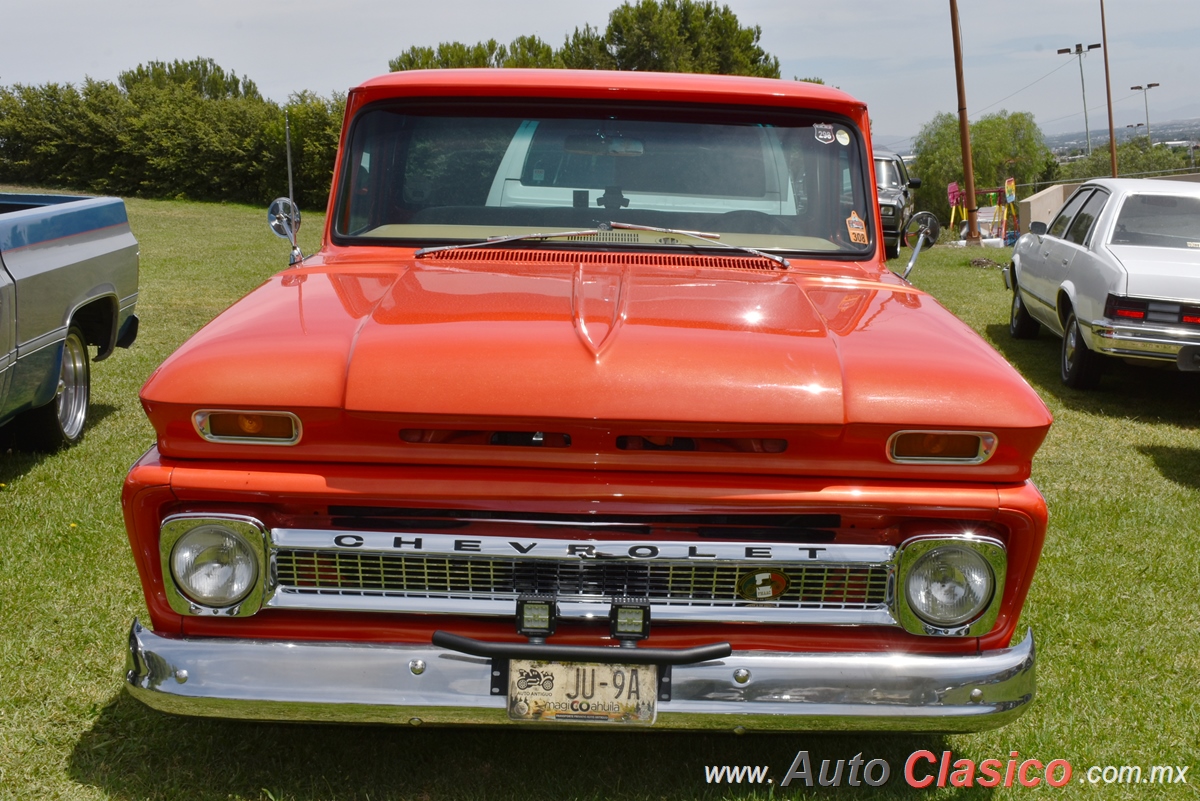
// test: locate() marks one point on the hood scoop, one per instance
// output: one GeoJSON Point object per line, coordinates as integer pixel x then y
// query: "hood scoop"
{"type": "Point", "coordinates": [686, 261]}
{"type": "Point", "coordinates": [599, 304]}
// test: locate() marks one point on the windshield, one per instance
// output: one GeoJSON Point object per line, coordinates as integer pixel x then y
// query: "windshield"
{"type": "Point", "coordinates": [460, 172]}
{"type": "Point", "coordinates": [1161, 221]}
{"type": "Point", "coordinates": [886, 174]}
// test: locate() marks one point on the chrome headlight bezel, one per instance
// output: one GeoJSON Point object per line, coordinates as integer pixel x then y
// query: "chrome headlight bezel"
{"type": "Point", "coordinates": [886, 210]}
{"type": "Point", "coordinates": [994, 555]}
{"type": "Point", "coordinates": [249, 531]}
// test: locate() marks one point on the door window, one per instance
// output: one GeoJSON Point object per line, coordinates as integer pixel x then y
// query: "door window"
{"type": "Point", "coordinates": [1081, 228]}
{"type": "Point", "coordinates": [1059, 226]}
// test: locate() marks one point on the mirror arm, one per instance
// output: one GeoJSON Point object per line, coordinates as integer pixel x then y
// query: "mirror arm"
{"type": "Point", "coordinates": [912, 261]}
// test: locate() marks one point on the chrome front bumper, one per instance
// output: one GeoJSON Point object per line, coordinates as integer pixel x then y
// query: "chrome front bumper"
{"type": "Point", "coordinates": [412, 684]}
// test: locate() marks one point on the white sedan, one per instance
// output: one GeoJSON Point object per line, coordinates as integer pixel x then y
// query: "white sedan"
{"type": "Point", "coordinates": [1116, 273]}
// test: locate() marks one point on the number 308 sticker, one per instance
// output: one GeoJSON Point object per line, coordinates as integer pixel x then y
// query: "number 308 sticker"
{"type": "Point", "coordinates": [856, 228]}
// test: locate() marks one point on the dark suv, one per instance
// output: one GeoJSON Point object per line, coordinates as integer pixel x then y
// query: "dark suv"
{"type": "Point", "coordinates": [895, 198]}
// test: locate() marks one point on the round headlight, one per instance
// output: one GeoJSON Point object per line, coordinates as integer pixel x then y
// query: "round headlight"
{"type": "Point", "coordinates": [214, 566]}
{"type": "Point", "coordinates": [949, 585]}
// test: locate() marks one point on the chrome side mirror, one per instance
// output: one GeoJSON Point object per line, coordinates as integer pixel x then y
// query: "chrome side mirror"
{"type": "Point", "coordinates": [284, 219]}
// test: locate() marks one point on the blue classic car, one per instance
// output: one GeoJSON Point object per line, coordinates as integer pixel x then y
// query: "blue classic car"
{"type": "Point", "coordinates": [68, 280]}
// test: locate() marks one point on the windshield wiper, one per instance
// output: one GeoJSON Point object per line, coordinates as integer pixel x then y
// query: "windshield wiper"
{"type": "Point", "coordinates": [704, 236]}
{"type": "Point", "coordinates": [500, 240]}
{"type": "Point", "coordinates": [714, 239]}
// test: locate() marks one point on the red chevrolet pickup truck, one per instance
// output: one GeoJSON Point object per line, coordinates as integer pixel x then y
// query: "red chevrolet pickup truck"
{"type": "Point", "coordinates": [598, 406]}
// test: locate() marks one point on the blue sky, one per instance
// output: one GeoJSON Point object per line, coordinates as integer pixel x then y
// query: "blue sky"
{"type": "Point", "coordinates": [896, 56]}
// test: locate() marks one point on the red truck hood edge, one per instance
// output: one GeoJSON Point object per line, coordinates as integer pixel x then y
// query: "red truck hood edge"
{"type": "Point", "coordinates": [596, 342]}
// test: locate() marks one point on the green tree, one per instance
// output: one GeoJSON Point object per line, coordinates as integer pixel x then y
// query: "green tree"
{"type": "Point", "coordinates": [530, 51]}
{"type": "Point", "coordinates": [187, 129]}
{"type": "Point", "coordinates": [587, 49]}
{"type": "Point", "coordinates": [450, 55]}
{"type": "Point", "coordinates": [686, 36]}
{"type": "Point", "coordinates": [649, 35]}
{"type": "Point", "coordinates": [316, 124]}
{"type": "Point", "coordinates": [1003, 145]}
{"type": "Point", "coordinates": [205, 75]}
{"type": "Point", "coordinates": [1134, 158]}
{"type": "Point", "coordinates": [181, 143]}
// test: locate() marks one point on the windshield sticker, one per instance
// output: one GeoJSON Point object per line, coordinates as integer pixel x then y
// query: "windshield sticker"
{"type": "Point", "coordinates": [843, 138]}
{"type": "Point", "coordinates": [856, 228]}
{"type": "Point", "coordinates": [824, 132]}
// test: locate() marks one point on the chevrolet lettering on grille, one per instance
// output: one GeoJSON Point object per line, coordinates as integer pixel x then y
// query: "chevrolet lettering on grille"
{"type": "Point", "coordinates": [424, 543]}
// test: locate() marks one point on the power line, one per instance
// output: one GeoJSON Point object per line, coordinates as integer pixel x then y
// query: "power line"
{"type": "Point", "coordinates": [1023, 88]}
{"type": "Point", "coordinates": [1078, 113]}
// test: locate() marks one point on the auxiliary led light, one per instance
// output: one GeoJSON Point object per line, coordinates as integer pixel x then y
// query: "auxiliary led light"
{"type": "Point", "coordinates": [536, 615]}
{"type": "Point", "coordinates": [629, 620]}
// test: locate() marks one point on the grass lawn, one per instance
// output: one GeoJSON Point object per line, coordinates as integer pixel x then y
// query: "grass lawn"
{"type": "Point", "coordinates": [1115, 606]}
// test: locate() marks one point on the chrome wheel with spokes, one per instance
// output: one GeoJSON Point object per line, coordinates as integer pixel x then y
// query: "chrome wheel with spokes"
{"type": "Point", "coordinates": [74, 390]}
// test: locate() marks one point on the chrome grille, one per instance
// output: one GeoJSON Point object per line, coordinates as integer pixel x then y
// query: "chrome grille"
{"type": "Point", "coordinates": [812, 586]}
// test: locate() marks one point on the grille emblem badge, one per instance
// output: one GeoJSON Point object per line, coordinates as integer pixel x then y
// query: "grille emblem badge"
{"type": "Point", "coordinates": [762, 585]}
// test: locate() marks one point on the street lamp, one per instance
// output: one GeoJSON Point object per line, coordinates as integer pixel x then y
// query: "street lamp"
{"type": "Point", "coordinates": [1145, 90]}
{"type": "Point", "coordinates": [1078, 52]}
{"type": "Point", "coordinates": [1135, 127]}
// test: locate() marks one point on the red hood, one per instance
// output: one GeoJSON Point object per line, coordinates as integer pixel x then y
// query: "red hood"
{"type": "Point", "coordinates": [538, 340]}
{"type": "Point", "coordinates": [687, 346]}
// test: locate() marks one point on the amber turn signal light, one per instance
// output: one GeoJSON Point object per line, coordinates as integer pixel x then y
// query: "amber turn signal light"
{"type": "Point", "coordinates": [264, 428]}
{"type": "Point", "coordinates": [941, 447]}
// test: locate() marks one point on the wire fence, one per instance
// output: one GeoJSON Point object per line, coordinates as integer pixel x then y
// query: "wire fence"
{"type": "Point", "coordinates": [1060, 181]}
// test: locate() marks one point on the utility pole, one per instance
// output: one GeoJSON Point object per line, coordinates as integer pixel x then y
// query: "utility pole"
{"type": "Point", "coordinates": [1079, 52]}
{"type": "Point", "coordinates": [1112, 136]}
{"type": "Point", "coordinates": [964, 132]}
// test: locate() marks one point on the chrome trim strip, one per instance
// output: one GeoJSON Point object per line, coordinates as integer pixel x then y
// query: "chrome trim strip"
{"type": "Point", "coordinates": [200, 424]}
{"type": "Point", "coordinates": [987, 447]}
{"type": "Point", "coordinates": [742, 612]}
{"type": "Point", "coordinates": [50, 339]}
{"type": "Point", "coordinates": [341, 682]}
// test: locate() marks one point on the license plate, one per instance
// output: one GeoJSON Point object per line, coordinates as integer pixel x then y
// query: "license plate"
{"type": "Point", "coordinates": [582, 692]}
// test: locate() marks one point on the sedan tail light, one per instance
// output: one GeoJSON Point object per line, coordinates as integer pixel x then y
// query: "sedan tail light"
{"type": "Point", "coordinates": [1117, 308]}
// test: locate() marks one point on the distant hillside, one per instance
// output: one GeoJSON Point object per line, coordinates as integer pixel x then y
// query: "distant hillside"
{"type": "Point", "coordinates": [1168, 130]}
